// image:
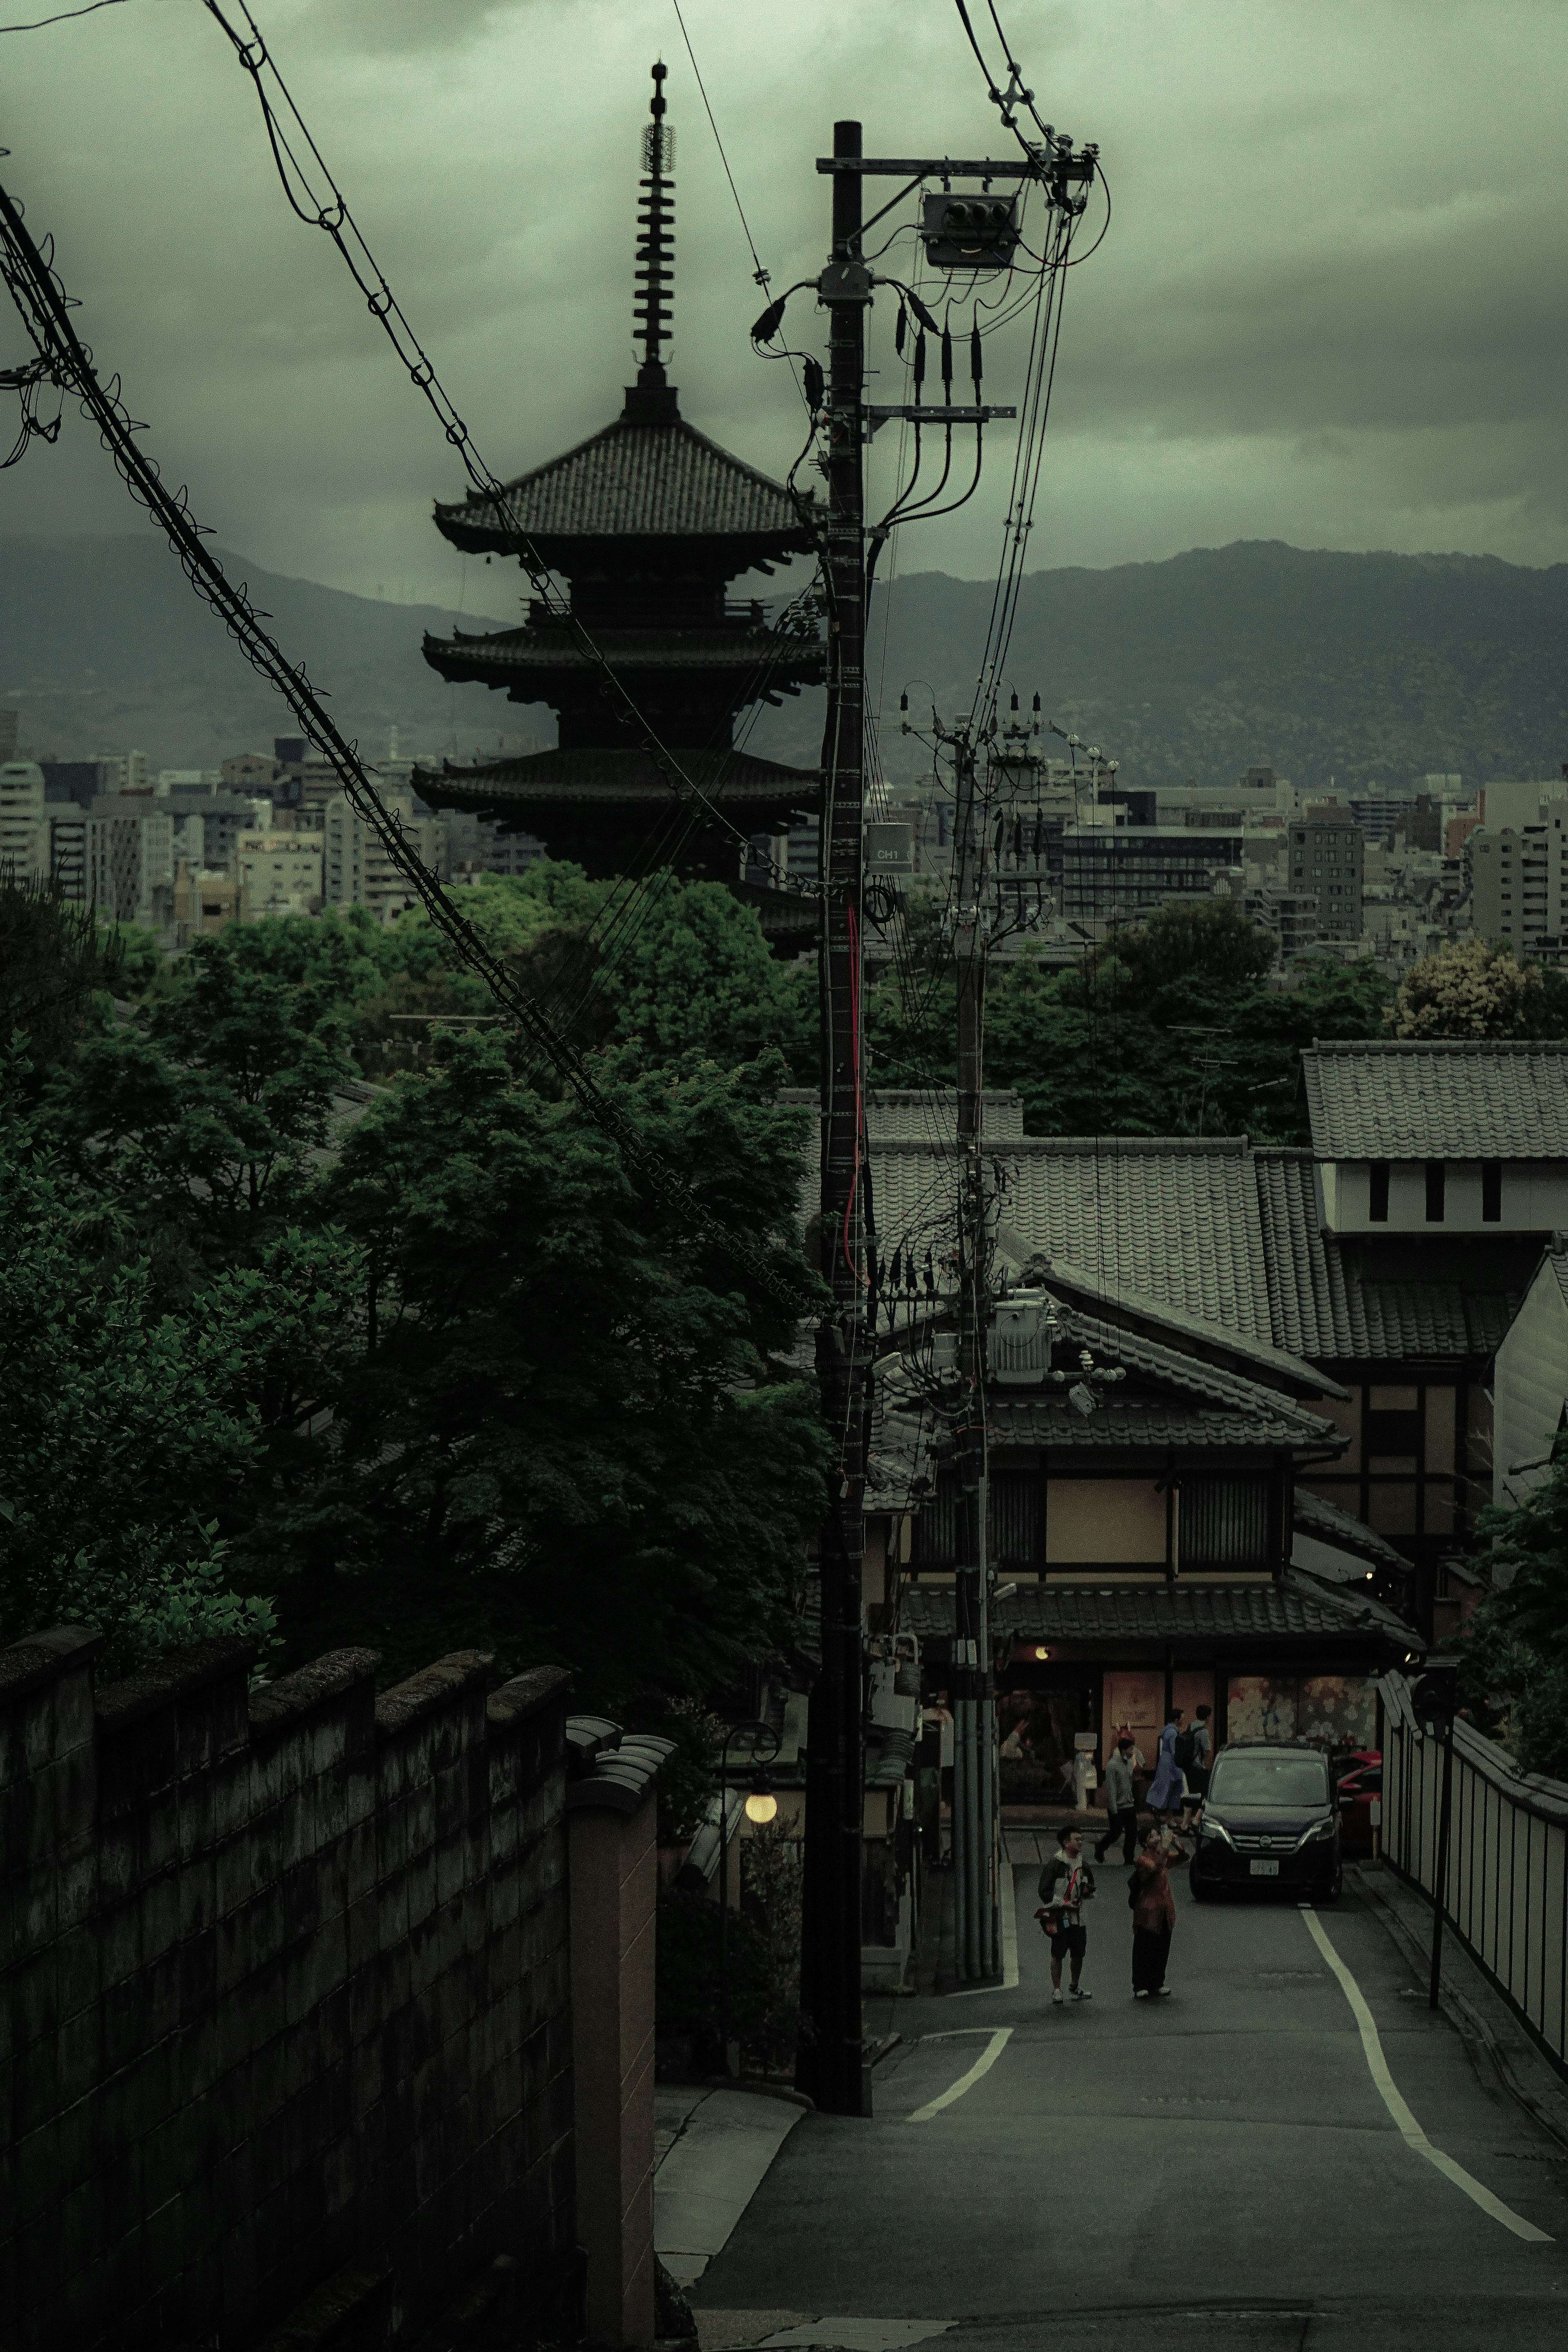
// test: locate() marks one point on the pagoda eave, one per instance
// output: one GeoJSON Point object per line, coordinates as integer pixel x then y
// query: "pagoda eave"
{"type": "Point", "coordinates": [567, 783]}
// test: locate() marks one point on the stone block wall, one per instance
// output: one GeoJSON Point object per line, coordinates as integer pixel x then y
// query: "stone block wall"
{"type": "Point", "coordinates": [288, 1979]}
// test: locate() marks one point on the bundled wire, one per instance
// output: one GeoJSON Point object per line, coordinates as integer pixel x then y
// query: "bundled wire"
{"type": "Point", "coordinates": [303, 173]}
{"type": "Point", "coordinates": [44, 308]}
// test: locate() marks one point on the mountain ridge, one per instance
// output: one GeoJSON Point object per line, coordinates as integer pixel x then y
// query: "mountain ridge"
{"type": "Point", "coordinates": [1369, 667]}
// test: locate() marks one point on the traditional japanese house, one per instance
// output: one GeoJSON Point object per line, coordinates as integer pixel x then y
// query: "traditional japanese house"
{"type": "Point", "coordinates": [648, 521]}
{"type": "Point", "coordinates": [1150, 1527]}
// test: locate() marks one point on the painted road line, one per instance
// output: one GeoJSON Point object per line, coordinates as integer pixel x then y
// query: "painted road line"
{"type": "Point", "coordinates": [1009, 1910]}
{"type": "Point", "coordinates": [1409, 2129]}
{"type": "Point", "coordinates": [983, 2065]}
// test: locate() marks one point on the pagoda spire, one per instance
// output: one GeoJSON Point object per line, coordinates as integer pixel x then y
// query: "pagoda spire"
{"type": "Point", "coordinates": [652, 400]}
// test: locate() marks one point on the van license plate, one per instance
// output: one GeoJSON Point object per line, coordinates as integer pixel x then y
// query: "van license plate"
{"type": "Point", "coordinates": [1265, 1869]}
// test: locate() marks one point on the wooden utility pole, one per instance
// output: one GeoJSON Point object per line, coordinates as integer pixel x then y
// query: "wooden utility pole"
{"type": "Point", "coordinates": [975, 1811]}
{"type": "Point", "coordinates": [831, 2064]}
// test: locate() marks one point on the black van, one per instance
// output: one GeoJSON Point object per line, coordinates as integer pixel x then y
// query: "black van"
{"type": "Point", "coordinates": [1269, 1821]}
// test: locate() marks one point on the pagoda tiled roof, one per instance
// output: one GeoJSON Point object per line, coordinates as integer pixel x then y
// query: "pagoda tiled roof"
{"type": "Point", "coordinates": [632, 480]}
{"type": "Point", "coordinates": [534, 652]}
{"type": "Point", "coordinates": [737, 780]}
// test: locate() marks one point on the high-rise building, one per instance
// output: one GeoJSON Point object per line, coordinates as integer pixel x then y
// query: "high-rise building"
{"type": "Point", "coordinates": [1326, 858]}
{"type": "Point", "coordinates": [9, 721]}
{"type": "Point", "coordinates": [23, 821]}
{"type": "Point", "coordinates": [277, 874]}
{"type": "Point", "coordinates": [356, 870]}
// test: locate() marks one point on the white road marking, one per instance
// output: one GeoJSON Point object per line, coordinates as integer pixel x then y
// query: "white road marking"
{"type": "Point", "coordinates": [983, 2065]}
{"type": "Point", "coordinates": [1009, 1910]}
{"type": "Point", "coordinates": [1388, 2091]}
{"type": "Point", "coordinates": [861, 2335]}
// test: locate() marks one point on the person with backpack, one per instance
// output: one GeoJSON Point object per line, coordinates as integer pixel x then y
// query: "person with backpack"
{"type": "Point", "coordinates": [1165, 1788]}
{"type": "Point", "coordinates": [1067, 1883]}
{"type": "Point", "coordinates": [1153, 1908]}
{"type": "Point", "coordinates": [1195, 1767]}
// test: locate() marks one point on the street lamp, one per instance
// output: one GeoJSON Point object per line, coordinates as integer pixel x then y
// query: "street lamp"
{"type": "Point", "coordinates": [762, 1805]}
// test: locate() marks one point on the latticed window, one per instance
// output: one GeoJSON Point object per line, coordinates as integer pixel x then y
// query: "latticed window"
{"type": "Point", "coordinates": [1224, 1523]}
{"type": "Point", "coordinates": [1014, 1529]}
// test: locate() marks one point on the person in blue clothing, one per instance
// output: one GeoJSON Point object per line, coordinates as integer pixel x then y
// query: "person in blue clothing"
{"type": "Point", "coordinates": [1165, 1788]}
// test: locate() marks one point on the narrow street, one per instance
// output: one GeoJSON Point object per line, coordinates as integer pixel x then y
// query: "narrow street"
{"type": "Point", "coordinates": [1220, 2168]}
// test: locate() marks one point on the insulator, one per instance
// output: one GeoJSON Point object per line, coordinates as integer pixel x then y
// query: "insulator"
{"type": "Point", "coordinates": [920, 361]}
{"type": "Point", "coordinates": [946, 360]}
{"type": "Point", "coordinates": [1037, 705]}
{"type": "Point", "coordinates": [974, 367]}
{"type": "Point", "coordinates": [901, 331]}
{"type": "Point", "coordinates": [903, 702]}
{"type": "Point", "coordinates": [1014, 705]}
{"type": "Point", "coordinates": [815, 385]}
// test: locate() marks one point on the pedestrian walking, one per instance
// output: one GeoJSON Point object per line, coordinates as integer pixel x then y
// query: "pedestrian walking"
{"type": "Point", "coordinates": [1196, 1762]}
{"type": "Point", "coordinates": [1153, 1911]}
{"type": "Point", "coordinates": [1120, 1801]}
{"type": "Point", "coordinates": [1165, 1788]}
{"type": "Point", "coordinates": [1067, 1883]}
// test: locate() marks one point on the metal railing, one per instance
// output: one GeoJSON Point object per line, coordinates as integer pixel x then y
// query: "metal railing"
{"type": "Point", "coordinates": [1506, 1894]}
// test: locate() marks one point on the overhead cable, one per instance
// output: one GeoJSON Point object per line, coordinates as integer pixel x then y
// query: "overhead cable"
{"type": "Point", "coordinates": [44, 308]}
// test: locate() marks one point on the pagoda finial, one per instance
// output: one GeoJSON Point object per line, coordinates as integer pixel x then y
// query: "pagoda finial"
{"type": "Point", "coordinates": [656, 255]}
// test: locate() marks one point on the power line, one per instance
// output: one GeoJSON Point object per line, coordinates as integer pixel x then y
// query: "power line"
{"type": "Point", "coordinates": [44, 308]}
{"type": "Point", "coordinates": [63, 18]}
{"type": "Point", "coordinates": [762, 276]}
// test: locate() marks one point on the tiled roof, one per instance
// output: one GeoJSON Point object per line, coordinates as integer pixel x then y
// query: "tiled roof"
{"type": "Point", "coordinates": [927, 1115]}
{"type": "Point", "coordinates": [631, 480]}
{"type": "Point", "coordinates": [734, 779]}
{"type": "Point", "coordinates": [1402, 1099]}
{"type": "Point", "coordinates": [529, 654]}
{"type": "Point", "coordinates": [1174, 1326]}
{"type": "Point", "coordinates": [1290, 1611]}
{"type": "Point", "coordinates": [1325, 1306]}
{"type": "Point", "coordinates": [1133, 1423]}
{"type": "Point", "coordinates": [1314, 1517]}
{"type": "Point", "coordinates": [1261, 1409]}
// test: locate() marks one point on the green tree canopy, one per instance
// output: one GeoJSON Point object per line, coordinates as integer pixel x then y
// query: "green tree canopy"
{"type": "Point", "coordinates": [134, 1436]}
{"type": "Point", "coordinates": [1471, 988]}
{"type": "Point", "coordinates": [1516, 1645]}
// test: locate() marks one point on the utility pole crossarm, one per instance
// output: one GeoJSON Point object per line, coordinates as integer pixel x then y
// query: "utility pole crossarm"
{"type": "Point", "coordinates": [932, 167]}
{"type": "Point", "coordinates": [932, 414]}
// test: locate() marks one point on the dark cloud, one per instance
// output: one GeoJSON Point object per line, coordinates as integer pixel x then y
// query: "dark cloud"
{"type": "Point", "coordinates": [1330, 307]}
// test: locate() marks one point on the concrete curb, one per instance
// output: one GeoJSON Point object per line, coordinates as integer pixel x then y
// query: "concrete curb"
{"type": "Point", "coordinates": [710, 2173]}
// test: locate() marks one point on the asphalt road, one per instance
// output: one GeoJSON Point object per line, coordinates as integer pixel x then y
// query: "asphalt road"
{"type": "Point", "coordinates": [1219, 2168]}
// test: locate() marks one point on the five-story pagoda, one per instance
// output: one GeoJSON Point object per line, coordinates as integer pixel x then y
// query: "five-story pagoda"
{"type": "Point", "coordinates": [647, 522]}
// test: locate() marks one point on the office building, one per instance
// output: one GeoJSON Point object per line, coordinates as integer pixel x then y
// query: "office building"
{"type": "Point", "coordinates": [356, 871]}
{"type": "Point", "coordinates": [24, 824]}
{"type": "Point", "coordinates": [277, 874]}
{"type": "Point", "coordinates": [1120, 873]}
{"type": "Point", "coordinates": [1326, 860]}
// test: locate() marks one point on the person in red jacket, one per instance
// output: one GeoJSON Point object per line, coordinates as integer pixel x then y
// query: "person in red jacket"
{"type": "Point", "coordinates": [1153, 1912]}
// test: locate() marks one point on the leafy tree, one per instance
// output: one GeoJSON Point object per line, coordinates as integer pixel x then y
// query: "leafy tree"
{"type": "Point", "coordinates": [131, 1434]}
{"type": "Point", "coordinates": [1516, 1645]}
{"type": "Point", "coordinates": [55, 958]}
{"type": "Point", "coordinates": [1178, 1037]}
{"type": "Point", "coordinates": [198, 1122]}
{"type": "Point", "coordinates": [1211, 940]}
{"type": "Point", "coordinates": [565, 1438]}
{"type": "Point", "coordinates": [1471, 988]}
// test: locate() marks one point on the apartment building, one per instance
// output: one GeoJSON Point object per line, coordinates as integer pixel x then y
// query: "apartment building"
{"type": "Point", "coordinates": [1326, 859]}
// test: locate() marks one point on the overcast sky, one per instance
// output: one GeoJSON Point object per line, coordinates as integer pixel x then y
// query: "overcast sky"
{"type": "Point", "coordinates": [1330, 308]}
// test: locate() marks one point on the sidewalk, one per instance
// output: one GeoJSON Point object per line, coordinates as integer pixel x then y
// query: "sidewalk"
{"type": "Point", "coordinates": [712, 2150]}
{"type": "Point", "coordinates": [1497, 2041]}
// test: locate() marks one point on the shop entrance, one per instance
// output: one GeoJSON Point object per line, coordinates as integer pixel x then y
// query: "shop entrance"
{"type": "Point", "coordinates": [1041, 1706]}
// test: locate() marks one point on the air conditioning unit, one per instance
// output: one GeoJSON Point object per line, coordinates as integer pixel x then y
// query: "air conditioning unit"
{"type": "Point", "coordinates": [1021, 1331]}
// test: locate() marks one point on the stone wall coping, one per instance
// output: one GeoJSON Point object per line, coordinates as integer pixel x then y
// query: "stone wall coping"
{"type": "Point", "coordinates": [173, 1677]}
{"type": "Point", "coordinates": [294, 1695]}
{"type": "Point", "coordinates": [409, 1703]}
{"type": "Point", "coordinates": [622, 1778]}
{"type": "Point", "coordinates": [526, 1695]}
{"type": "Point", "coordinates": [44, 1658]}
{"type": "Point", "coordinates": [588, 1736]}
